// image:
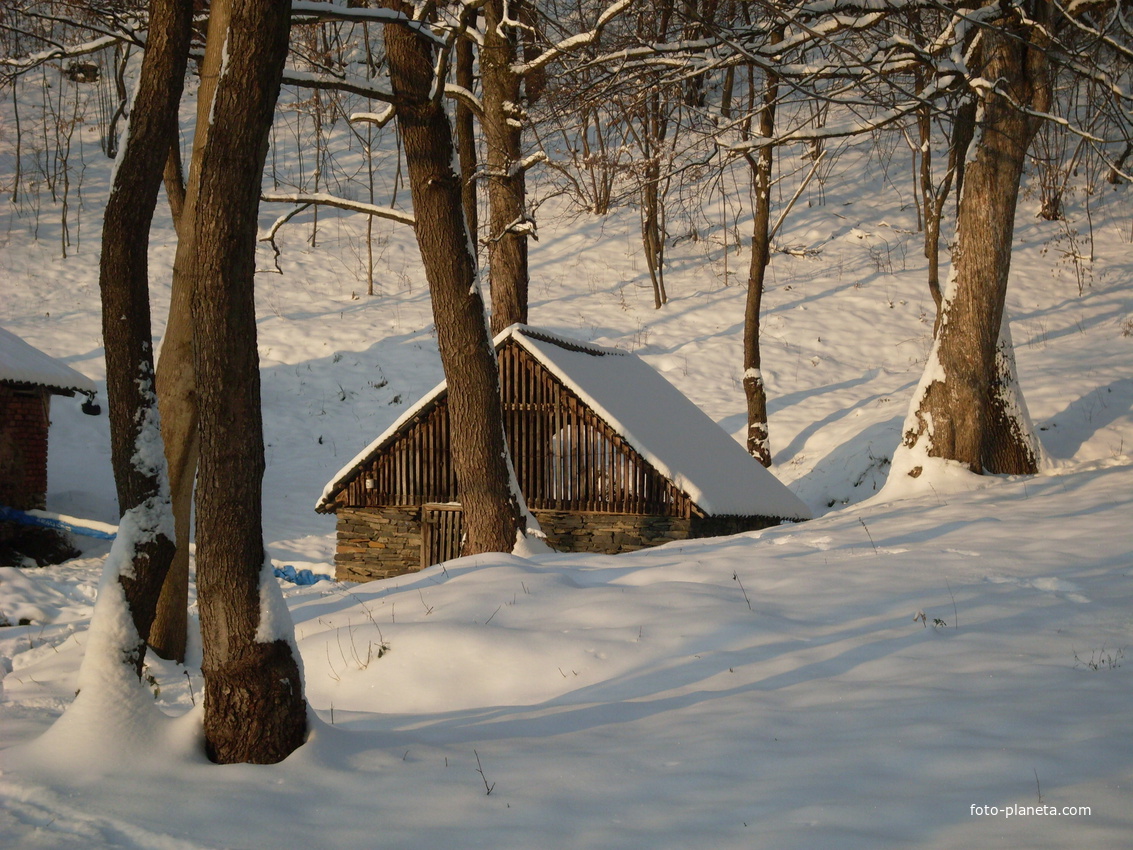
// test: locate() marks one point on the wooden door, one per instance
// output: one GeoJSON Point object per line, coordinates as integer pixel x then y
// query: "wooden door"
{"type": "Point", "coordinates": [440, 533]}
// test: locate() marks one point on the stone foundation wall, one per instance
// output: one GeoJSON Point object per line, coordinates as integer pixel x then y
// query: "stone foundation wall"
{"type": "Point", "coordinates": [609, 534]}
{"type": "Point", "coordinates": [722, 526]}
{"type": "Point", "coordinates": [377, 543]}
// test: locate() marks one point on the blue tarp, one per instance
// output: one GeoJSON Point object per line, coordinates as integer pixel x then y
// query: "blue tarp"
{"type": "Point", "coordinates": [289, 573]}
{"type": "Point", "coordinates": [87, 528]}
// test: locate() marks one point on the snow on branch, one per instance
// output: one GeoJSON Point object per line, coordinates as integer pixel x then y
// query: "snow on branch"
{"type": "Point", "coordinates": [466, 97]}
{"type": "Point", "coordinates": [308, 11]}
{"type": "Point", "coordinates": [306, 79]}
{"type": "Point", "coordinates": [59, 51]}
{"type": "Point", "coordinates": [528, 162]}
{"type": "Point", "coordinates": [379, 119]}
{"type": "Point", "coordinates": [323, 199]}
{"type": "Point", "coordinates": [573, 42]}
{"type": "Point", "coordinates": [304, 200]}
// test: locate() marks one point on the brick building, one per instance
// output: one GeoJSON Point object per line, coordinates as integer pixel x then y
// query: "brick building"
{"type": "Point", "coordinates": [28, 380]}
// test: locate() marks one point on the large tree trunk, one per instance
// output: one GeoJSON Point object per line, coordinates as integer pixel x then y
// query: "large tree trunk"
{"type": "Point", "coordinates": [254, 705]}
{"type": "Point", "coordinates": [480, 454]}
{"type": "Point", "coordinates": [139, 468]}
{"type": "Point", "coordinates": [176, 379]}
{"type": "Point", "coordinates": [951, 415]}
{"type": "Point", "coordinates": [507, 208]}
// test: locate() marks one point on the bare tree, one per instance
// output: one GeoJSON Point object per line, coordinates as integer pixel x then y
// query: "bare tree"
{"type": "Point", "coordinates": [760, 163]}
{"type": "Point", "coordinates": [966, 409]}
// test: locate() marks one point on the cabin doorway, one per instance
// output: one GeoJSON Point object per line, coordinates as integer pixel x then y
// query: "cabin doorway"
{"type": "Point", "coordinates": [440, 533]}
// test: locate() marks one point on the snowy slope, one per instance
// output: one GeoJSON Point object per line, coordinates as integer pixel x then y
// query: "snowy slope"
{"type": "Point", "coordinates": [771, 690]}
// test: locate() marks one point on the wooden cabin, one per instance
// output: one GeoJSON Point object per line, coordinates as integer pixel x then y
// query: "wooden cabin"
{"type": "Point", "coordinates": [609, 456]}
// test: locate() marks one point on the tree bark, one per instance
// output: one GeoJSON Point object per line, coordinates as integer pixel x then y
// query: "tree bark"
{"type": "Point", "coordinates": [254, 705]}
{"type": "Point", "coordinates": [952, 413]}
{"type": "Point", "coordinates": [507, 209]}
{"type": "Point", "coordinates": [466, 138]}
{"type": "Point", "coordinates": [174, 178]}
{"type": "Point", "coordinates": [139, 469]}
{"type": "Point", "coordinates": [480, 454]}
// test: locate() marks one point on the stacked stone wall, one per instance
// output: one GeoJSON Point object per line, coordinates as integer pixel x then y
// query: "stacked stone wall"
{"type": "Point", "coordinates": [722, 526]}
{"type": "Point", "coordinates": [377, 543]}
{"type": "Point", "coordinates": [609, 534]}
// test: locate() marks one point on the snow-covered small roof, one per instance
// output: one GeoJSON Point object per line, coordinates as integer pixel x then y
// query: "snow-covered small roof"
{"type": "Point", "coordinates": [21, 363]}
{"type": "Point", "coordinates": [650, 414]}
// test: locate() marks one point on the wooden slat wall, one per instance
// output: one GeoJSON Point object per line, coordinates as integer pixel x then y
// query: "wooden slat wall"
{"type": "Point", "coordinates": [566, 458]}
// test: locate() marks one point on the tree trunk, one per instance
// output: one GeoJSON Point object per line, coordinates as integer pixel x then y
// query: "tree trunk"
{"type": "Point", "coordinates": [507, 209]}
{"type": "Point", "coordinates": [254, 705]}
{"type": "Point", "coordinates": [176, 378]}
{"type": "Point", "coordinates": [758, 437]}
{"type": "Point", "coordinates": [480, 454]}
{"type": "Point", "coordinates": [139, 468]}
{"type": "Point", "coordinates": [653, 232]}
{"type": "Point", "coordinates": [951, 414]}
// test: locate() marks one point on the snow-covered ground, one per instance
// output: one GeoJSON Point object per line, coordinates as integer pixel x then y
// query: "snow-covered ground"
{"type": "Point", "coordinates": [871, 678]}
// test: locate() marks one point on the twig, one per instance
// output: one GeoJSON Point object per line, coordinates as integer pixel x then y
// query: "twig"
{"type": "Point", "coordinates": [189, 679]}
{"type": "Point", "coordinates": [480, 769]}
{"type": "Point", "coordinates": [955, 613]}
{"type": "Point", "coordinates": [494, 613]}
{"type": "Point", "coordinates": [736, 578]}
{"type": "Point", "coordinates": [1038, 788]}
{"type": "Point", "coordinates": [870, 536]}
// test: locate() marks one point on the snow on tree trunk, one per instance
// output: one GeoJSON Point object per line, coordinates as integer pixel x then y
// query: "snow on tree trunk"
{"type": "Point", "coordinates": [113, 717]}
{"type": "Point", "coordinates": [1011, 444]}
{"type": "Point", "coordinates": [136, 451]}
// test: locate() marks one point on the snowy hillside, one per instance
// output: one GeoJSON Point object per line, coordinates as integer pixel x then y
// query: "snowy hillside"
{"type": "Point", "coordinates": [866, 679]}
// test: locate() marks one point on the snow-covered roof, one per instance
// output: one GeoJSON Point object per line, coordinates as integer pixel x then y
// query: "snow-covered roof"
{"type": "Point", "coordinates": [21, 363]}
{"type": "Point", "coordinates": [650, 414]}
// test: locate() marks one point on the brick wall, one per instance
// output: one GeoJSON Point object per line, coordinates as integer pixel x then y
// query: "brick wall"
{"type": "Point", "coordinates": [24, 420]}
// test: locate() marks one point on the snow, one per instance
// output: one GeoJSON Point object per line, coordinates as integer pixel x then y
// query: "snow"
{"type": "Point", "coordinates": [767, 690]}
{"type": "Point", "coordinates": [21, 363]}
